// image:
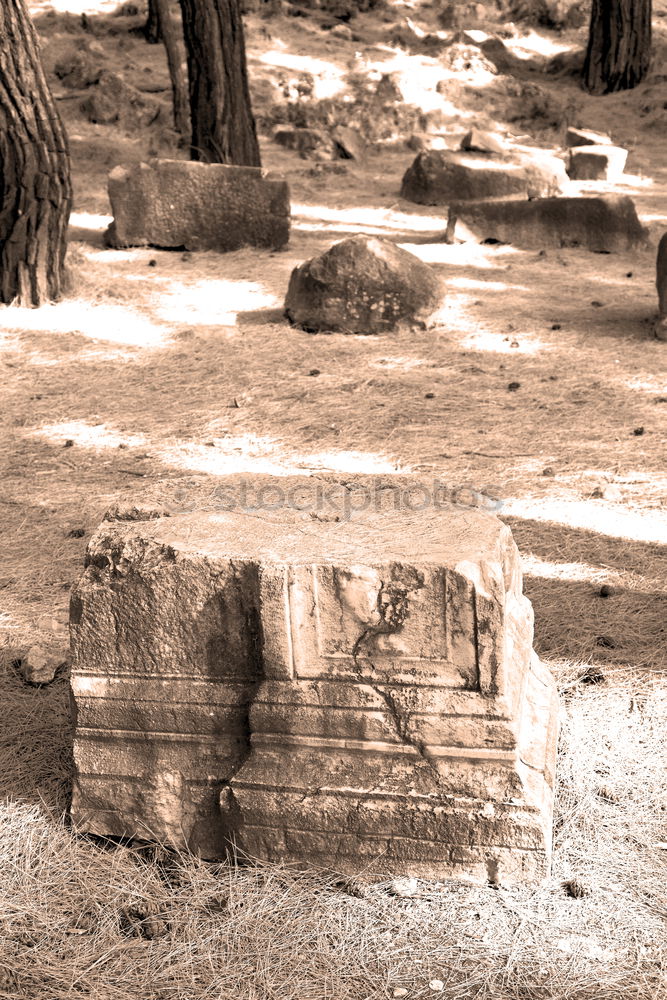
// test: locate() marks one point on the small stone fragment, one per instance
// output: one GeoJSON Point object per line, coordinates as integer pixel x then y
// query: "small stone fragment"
{"type": "Point", "coordinates": [477, 141]}
{"type": "Point", "coordinates": [548, 471]}
{"type": "Point", "coordinates": [363, 285]}
{"type": "Point", "coordinates": [41, 663]}
{"type": "Point", "coordinates": [112, 101]}
{"type": "Point", "coordinates": [403, 887]}
{"type": "Point", "coordinates": [513, 386]}
{"type": "Point", "coordinates": [577, 888]}
{"type": "Point", "coordinates": [606, 641]}
{"type": "Point", "coordinates": [306, 141]}
{"type": "Point", "coordinates": [592, 675]}
{"type": "Point", "coordinates": [348, 143]}
{"type": "Point", "coordinates": [606, 590]}
{"type": "Point", "coordinates": [638, 431]}
{"type": "Point", "coordinates": [436, 985]}
{"type": "Point", "coordinates": [399, 993]}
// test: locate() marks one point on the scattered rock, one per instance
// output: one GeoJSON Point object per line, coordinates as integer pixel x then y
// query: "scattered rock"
{"type": "Point", "coordinates": [199, 206]}
{"type": "Point", "coordinates": [399, 993]}
{"type": "Point", "coordinates": [570, 63]}
{"type": "Point", "coordinates": [406, 888]}
{"type": "Point", "coordinates": [79, 67]}
{"type": "Point", "coordinates": [548, 471]}
{"type": "Point", "coordinates": [348, 143]}
{"type": "Point", "coordinates": [305, 141]}
{"type": "Point", "coordinates": [420, 141]}
{"type": "Point", "coordinates": [606, 641]}
{"type": "Point", "coordinates": [577, 888]}
{"type": "Point", "coordinates": [436, 985]}
{"type": "Point", "coordinates": [476, 141]}
{"type": "Point", "coordinates": [592, 675]}
{"type": "Point", "coordinates": [114, 102]}
{"type": "Point", "coordinates": [638, 431]}
{"type": "Point", "coordinates": [438, 177]}
{"type": "Point", "coordinates": [41, 662]}
{"type": "Point", "coordinates": [143, 920]}
{"type": "Point", "coordinates": [607, 223]}
{"type": "Point", "coordinates": [389, 87]}
{"type": "Point", "coordinates": [513, 386]}
{"type": "Point", "coordinates": [464, 57]}
{"type": "Point", "coordinates": [597, 163]}
{"type": "Point", "coordinates": [586, 137]}
{"type": "Point", "coordinates": [362, 285]}
{"type": "Point", "coordinates": [606, 590]}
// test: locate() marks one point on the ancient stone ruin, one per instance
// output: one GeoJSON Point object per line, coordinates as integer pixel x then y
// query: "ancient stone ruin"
{"type": "Point", "coordinates": [197, 206]}
{"type": "Point", "coordinates": [321, 673]}
{"type": "Point", "coordinates": [439, 176]}
{"type": "Point", "coordinates": [606, 224]}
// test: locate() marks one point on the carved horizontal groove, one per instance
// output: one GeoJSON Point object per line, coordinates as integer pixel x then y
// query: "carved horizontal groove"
{"type": "Point", "coordinates": [141, 735]}
{"type": "Point", "coordinates": [114, 777]}
{"type": "Point", "coordinates": [384, 837]}
{"type": "Point", "coordinates": [430, 682]}
{"type": "Point", "coordinates": [141, 675]}
{"type": "Point", "coordinates": [333, 743]}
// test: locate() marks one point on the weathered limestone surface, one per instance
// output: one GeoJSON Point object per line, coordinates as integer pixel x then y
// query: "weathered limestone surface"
{"type": "Point", "coordinates": [607, 223]}
{"type": "Point", "coordinates": [363, 285]}
{"type": "Point", "coordinates": [661, 283]}
{"type": "Point", "coordinates": [353, 690]}
{"type": "Point", "coordinates": [199, 206]}
{"type": "Point", "coordinates": [586, 137]}
{"type": "Point", "coordinates": [440, 176]}
{"type": "Point", "coordinates": [597, 163]}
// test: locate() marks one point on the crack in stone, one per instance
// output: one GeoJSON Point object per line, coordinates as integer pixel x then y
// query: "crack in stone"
{"type": "Point", "coordinates": [392, 607]}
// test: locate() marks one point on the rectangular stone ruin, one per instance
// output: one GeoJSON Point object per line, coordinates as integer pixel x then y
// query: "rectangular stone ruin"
{"type": "Point", "coordinates": [197, 206]}
{"type": "Point", "coordinates": [607, 223]}
{"type": "Point", "coordinates": [315, 683]}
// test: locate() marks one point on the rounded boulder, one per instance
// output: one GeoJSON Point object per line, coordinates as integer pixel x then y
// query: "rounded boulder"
{"type": "Point", "coordinates": [363, 285]}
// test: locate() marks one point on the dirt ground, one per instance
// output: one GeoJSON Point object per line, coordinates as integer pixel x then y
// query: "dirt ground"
{"type": "Point", "coordinates": [161, 365]}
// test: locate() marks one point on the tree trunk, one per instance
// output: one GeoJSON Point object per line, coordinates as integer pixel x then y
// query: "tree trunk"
{"type": "Point", "coordinates": [152, 27]}
{"type": "Point", "coordinates": [223, 126]}
{"type": "Point", "coordinates": [179, 86]}
{"type": "Point", "coordinates": [35, 187]}
{"type": "Point", "coordinates": [619, 45]}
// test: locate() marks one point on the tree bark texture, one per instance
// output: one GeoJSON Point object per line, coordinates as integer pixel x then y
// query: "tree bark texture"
{"type": "Point", "coordinates": [152, 27]}
{"type": "Point", "coordinates": [223, 126]}
{"type": "Point", "coordinates": [619, 45]}
{"type": "Point", "coordinates": [35, 186]}
{"type": "Point", "coordinates": [171, 36]}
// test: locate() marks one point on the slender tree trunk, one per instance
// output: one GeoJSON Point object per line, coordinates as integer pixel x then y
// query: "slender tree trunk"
{"type": "Point", "coordinates": [35, 187]}
{"type": "Point", "coordinates": [619, 45]}
{"type": "Point", "coordinates": [152, 27]}
{"type": "Point", "coordinates": [223, 126]}
{"type": "Point", "coordinates": [171, 37]}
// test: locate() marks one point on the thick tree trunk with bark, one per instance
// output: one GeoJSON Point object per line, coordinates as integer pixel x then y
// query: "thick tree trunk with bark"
{"type": "Point", "coordinates": [619, 45]}
{"type": "Point", "coordinates": [223, 126]}
{"type": "Point", "coordinates": [152, 27]}
{"type": "Point", "coordinates": [171, 36]}
{"type": "Point", "coordinates": [35, 188]}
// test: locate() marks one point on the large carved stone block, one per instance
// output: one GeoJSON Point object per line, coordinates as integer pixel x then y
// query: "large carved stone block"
{"type": "Point", "coordinates": [199, 206]}
{"type": "Point", "coordinates": [342, 691]}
